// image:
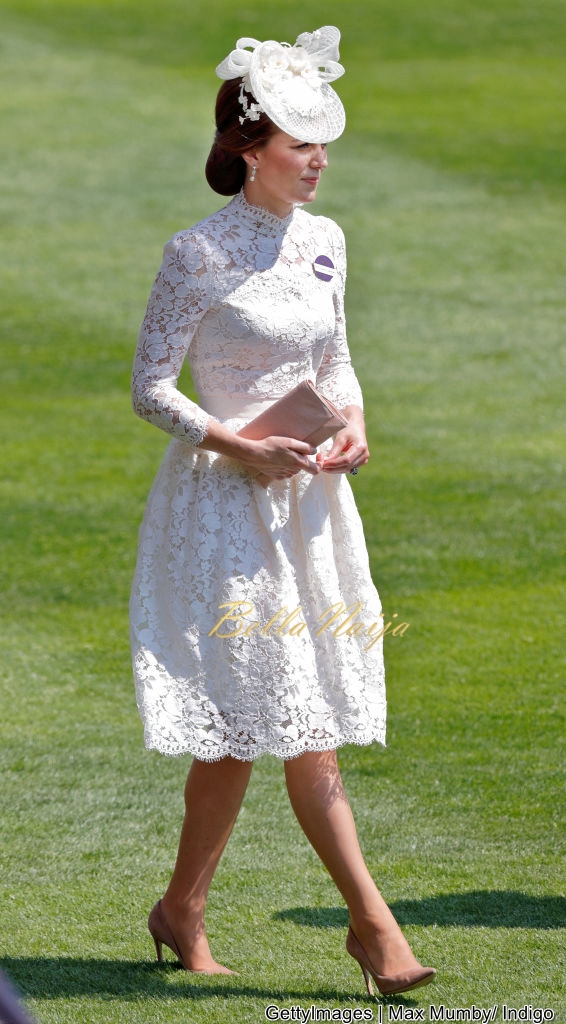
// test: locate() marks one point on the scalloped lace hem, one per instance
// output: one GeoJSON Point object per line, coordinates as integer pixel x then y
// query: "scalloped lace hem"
{"type": "Point", "coordinates": [286, 753]}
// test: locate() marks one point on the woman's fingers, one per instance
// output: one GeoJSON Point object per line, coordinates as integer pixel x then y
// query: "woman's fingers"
{"type": "Point", "coordinates": [292, 455]}
{"type": "Point", "coordinates": [353, 458]}
{"type": "Point", "coordinates": [349, 451]}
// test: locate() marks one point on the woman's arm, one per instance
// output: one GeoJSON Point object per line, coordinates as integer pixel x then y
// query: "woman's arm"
{"type": "Point", "coordinates": [179, 299]}
{"type": "Point", "coordinates": [338, 382]}
{"type": "Point", "coordinates": [275, 457]}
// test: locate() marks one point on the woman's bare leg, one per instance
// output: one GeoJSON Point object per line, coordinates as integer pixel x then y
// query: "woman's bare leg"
{"type": "Point", "coordinates": [213, 795]}
{"type": "Point", "coordinates": [322, 809]}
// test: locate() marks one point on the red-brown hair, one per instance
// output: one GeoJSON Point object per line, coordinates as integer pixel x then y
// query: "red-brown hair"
{"type": "Point", "coordinates": [225, 169]}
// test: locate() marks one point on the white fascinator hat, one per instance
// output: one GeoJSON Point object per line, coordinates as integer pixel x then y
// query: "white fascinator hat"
{"type": "Point", "coordinates": [290, 84]}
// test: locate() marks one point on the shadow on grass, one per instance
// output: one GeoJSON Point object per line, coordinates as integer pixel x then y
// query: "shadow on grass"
{"type": "Point", "coordinates": [130, 980]}
{"type": "Point", "coordinates": [55, 977]}
{"type": "Point", "coordinates": [488, 909]}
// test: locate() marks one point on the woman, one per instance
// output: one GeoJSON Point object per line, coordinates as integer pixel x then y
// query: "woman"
{"type": "Point", "coordinates": [255, 623]}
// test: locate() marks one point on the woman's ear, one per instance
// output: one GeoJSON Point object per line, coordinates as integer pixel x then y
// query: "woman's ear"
{"type": "Point", "coordinates": [250, 156]}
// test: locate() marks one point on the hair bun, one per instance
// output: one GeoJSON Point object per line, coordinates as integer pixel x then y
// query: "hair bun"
{"type": "Point", "coordinates": [225, 172]}
{"type": "Point", "coordinates": [225, 169]}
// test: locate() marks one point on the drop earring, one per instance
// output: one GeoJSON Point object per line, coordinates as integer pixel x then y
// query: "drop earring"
{"type": "Point", "coordinates": [252, 175]}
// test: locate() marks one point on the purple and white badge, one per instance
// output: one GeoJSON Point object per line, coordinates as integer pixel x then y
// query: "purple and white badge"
{"type": "Point", "coordinates": [323, 268]}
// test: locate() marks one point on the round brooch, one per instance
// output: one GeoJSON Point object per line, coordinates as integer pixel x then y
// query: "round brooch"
{"type": "Point", "coordinates": [323, 268]}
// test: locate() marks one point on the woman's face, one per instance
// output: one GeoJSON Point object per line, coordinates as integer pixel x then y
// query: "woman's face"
{"type": "Point", "coordinates": [287, 172]}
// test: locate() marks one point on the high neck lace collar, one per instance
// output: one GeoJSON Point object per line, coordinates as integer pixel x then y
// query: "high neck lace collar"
{"type": "Point", "coordinates": [260, 218]}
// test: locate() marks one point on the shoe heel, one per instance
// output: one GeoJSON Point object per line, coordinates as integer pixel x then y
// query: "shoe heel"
{"type": "Point", "coordinates": [367, 979]}
{"type": "Point", "coordinates": [158, 949]}
{"type": "Point", "coordinates": [154, 930]}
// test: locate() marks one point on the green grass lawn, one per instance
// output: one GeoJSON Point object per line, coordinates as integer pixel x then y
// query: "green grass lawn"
{"type": "Point", "coordinates": [450, 184]}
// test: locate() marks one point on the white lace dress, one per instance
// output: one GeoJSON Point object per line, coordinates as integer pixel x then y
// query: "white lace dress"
{"type": "Point", "coordinates": [298, 663]}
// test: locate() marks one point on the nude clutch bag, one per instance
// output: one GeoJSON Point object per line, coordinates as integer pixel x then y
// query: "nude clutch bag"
{"type": "Point", "coordinates": [303, 413]}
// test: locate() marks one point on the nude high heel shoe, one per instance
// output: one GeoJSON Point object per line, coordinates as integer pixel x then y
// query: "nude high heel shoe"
{"type": "Point", "coordinates": [388, 985]}
{"type": "Point", "coordinates": [161, 934]}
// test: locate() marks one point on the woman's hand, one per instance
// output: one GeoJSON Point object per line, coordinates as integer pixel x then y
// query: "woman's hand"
{"type": "Point", "coordinates": [273, 458]}
{"type": "Point", "coordinates": [350, 448]}
{"type": "Point", "coordinates": [277, 458]}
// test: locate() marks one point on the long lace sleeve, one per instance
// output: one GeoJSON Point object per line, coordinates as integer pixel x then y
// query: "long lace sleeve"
{"type": "Point", "coordinates": [336, 377]}
{"type": "Point", "coordinates": [179, 298]}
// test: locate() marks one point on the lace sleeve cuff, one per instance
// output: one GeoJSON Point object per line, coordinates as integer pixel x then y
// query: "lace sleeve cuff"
{"type": "Point", "coordinates": [341, 387]}
{"type": "Point", "coordinates": [172, 412]}
{"type": "Point", "coordinates": [199, 428]}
